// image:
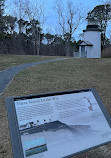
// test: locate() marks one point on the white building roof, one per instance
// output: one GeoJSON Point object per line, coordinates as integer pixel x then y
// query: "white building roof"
{"type": "Point", "coordinates": [86, 43]}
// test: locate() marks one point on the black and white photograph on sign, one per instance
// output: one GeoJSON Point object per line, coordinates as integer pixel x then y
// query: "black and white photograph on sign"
{"type": "Point", "coordinates": [58, 126]}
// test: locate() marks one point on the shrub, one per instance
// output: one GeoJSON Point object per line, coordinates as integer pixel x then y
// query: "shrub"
{"type": "Point", "coordinates": [106, 52]}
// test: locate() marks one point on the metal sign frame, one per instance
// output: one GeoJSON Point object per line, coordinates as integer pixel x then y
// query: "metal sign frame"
{"type": "Point", "coordinates": [13, 123]}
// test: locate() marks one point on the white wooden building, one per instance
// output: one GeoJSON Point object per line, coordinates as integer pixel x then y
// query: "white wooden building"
{"type": "Point", "coordinates": [90, 46]}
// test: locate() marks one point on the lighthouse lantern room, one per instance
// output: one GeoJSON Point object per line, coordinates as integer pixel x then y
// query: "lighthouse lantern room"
{"type": "Point", "coordinates": [90, 46]}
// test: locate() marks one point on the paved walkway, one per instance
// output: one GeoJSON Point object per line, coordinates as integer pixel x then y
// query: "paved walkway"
{"type": "Point", "coordinates": [7, 75]}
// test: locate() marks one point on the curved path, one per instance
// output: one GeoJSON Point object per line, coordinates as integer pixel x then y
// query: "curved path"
{"type": "Point", "coordinates": [7, 75]}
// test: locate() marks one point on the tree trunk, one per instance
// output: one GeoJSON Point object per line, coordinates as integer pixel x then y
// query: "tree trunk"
{"type": "Point", "coordinates": [67, 46]}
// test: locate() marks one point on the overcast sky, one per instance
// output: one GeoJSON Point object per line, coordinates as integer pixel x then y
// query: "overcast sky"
{"type": "Point", "coordinates": [51, 23]}
{"type": "Point", "coordinates": [51, 20]}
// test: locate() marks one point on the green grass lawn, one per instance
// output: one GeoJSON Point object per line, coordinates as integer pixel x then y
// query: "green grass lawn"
{"type": "Point", "coordinates": [59, 76]}
{"type": "Point", "coordinates": [7, 61]}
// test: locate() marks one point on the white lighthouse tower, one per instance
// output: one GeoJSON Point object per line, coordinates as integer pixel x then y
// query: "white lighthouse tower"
{"type": "Point", "coordinates": [90, 46]}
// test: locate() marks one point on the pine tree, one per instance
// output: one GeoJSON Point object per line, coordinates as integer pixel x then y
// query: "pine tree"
{"type": "Point", "coordinates": [2, 25]}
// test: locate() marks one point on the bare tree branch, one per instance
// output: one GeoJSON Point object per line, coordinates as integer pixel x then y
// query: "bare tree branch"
{"type": "Point", "coordinates": [70, 16]}
{"type": "Point", "coordinates": [35, 11]}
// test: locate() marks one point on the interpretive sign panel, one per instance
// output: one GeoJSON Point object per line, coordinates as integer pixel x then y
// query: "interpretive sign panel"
{"type": "Point", "coordinates": [58, 124]}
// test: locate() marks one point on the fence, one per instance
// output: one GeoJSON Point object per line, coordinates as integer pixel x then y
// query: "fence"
{"type": "Point", "coordinates": [76, 54]}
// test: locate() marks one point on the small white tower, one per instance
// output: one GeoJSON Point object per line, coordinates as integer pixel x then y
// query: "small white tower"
{"type": "Point", "coordinates": [90, 46]}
